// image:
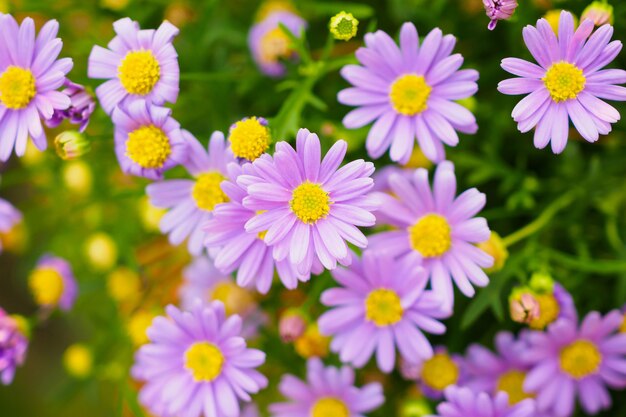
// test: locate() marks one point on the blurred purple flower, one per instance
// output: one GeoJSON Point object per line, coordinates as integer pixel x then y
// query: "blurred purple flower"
{"type": "Point", "coordinates": [139, 65]}
{"type": "Point", "coordinates": [29, 77]}
{"type": "Point", "coordinates": [499, 10]}
{"type": "Point", "coordinates": [53, 284]}
{"type": "Point", "coordinates": [197, 364]}
{"type": "Point", "coordinates": [80, 110]}
{"type": "Point", "coordinates": [192, 201]}
{"type": "Point", "coordinates": [381, 306]}
{"type": "Point", "coordinates": [328, 391]}
{"type": "Point", "coordinates": [13, 347]}
{"type": "Point", "coordinates": [567, 84]}
{"type": "Point", "coordinates": [464, 402]}
{"type": "Point", "coordinates": [442, 370]}
{"type": "Point", "coordinates": [410, 92]}
{"type": "Point", "coordinates": [9, 217]}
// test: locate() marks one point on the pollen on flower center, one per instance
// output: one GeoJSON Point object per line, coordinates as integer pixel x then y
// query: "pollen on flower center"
{"type": "Point", "coordinates": [330, 407]}
{"type": "Point", "coordinates": [431, 235]}
{"type": "Point", "coordinates": [549, 310]}
{"type": "Point", "coordinates": [564, 81]}
{"type": "Point", "coordinates": [275, 45]}
{"type": "Point", "coordinates": [249, 138]}
{"type": "Point", "coordinates": [383, 307]}
{"type": "Point", "coordinates": [204, 360]}
{"type": "Point", "coordinates": [512, 383]}
{"type": "Point", "coordinates": [440, 371]}
{"type": "Point", "coordinates": [309, 202]}
{"type": "Point", "coordinates": [139, 72]}
{"type": "Point", "coordinates": [46, 285]}
{"type": "Point", "coordinates": [17, 87]}
{"type": "Point", "coordinates": [207, 191]}
{"type": "Point", "coordinates": [148, 146]}
{"type": "Point", "coordinates": [580, 359]}
{"type": "Point", "coordinates": [409, 94]}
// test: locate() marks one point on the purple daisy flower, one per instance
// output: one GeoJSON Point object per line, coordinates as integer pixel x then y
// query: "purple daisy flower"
{"type": "Point", "coordinates": [499, 10]}
{"type": "Point", "coordinates": [572, 362]}
{"type": "Point", "coordinates": [139, 65]}
{"type": "Point", "coordinates": [80, 110]}
{"type": "Point", "coordinates": [505, 370]}
{"type": "Point", "coordinates": [310, 209]}
{"type": "Point", "coordinates": [237, 249]}
{"type": "Point", "coordinates": [191, 201]}
{"type": "Point", "coordinates": [148, 141]}
{"type": "Point", "coordinates": [436, 230]}
{"type": "Point", "coordinates": [382, 305]}
{"type": "Point", "coordinates": [53, 284]}
{"type": "Point", "coordinates": [442, 370]}
{"type": "Point", "coordinates": [328, 391]}
{"type": "Point", "coordinates": [9, 217]}
{"type": "Point", "coordinates": [269, 44]}
{"type": "Point", "coordinates": [410, 91]}
{"type": "Point", "coordinates": [464, 402]}
{"type": "Point", "coordinates": [13, 347]}
{"type": "Point", "coordinates": [203, 281]}
{"type": "Point", "coordinates": [197, 364]}
{"type": "Point", "coordinates": [30, 74]}
{"type": "Point", "coordinates": [554, 305]}
{"type": "Point", "coordinates": [568, 84]}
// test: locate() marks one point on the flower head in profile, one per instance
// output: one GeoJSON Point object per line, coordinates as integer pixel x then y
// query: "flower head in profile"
{"type": "Point", "coordinates": [235, 248]}
{"type": "Point", "coordinates": [270, 45]}
{"type": "Point", "coordinates": [571, 362]}
{"type": "Point", "coordinates": [436, 230]}
{"type": "Point", "coordinates": [197, 364]}
{"type": "Point", "coordinates": [568, 84]}
{"type": "Point", "coordinates": [410, 92]}
{"type": "Point", "coordinates": [190, 202]}
{"type": "Point", "coordinates": [444, 369]}
{"type": "Point", "coordinates": [148, 141]}
{"type": "Point", "coordinates": [308, 206]}
{"type": "Point", "coordinates": [9, 217]}
{"type": "Point", "coordinates": [81, 107]}
{"type": "Point", "coordinates": [464, 402]}
{"type": "Point", "coordinates": [138, 65]}
{"type": "Point", "coordinates": [499, 10]}
{"type": "Point", "coordinates": [501, 371]}
{"type": "Point", "coordinates": [13, 347]}
{"type": "Point", "coordinates": [52, 283]}
{"type": "Point", "coordinates": [601, 12]}
{"type": "Point", "coordinates": [382, 306]}
{"type": "Point", "coordinates": [30, 75]}
{"type": "Point", "coordinates": [327, 391]}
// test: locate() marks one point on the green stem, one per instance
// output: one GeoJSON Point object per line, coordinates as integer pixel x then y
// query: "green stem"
{"type": "Point", "coordinates": [541, 221]}
{"type": "Point", "coordinates": [602, 267]}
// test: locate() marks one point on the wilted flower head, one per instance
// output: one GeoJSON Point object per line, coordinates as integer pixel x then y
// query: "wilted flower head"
{"type": "Point", "coordinates": [343, 26]}
{"type": "Point", "coordinates": [71, 144]}
{"type": "Point", "coordinates": [52, 283]}
{"type": "Point", "coordinates": [601, 12]}
{"type": "Point", "coordinates": [80, 110]}
{"type": "Point", "coordinates": [13, 347]}
{"type": "Point", "coordinates": [524, 307]}
{"type": "Point", "coordinates": [499, 10]}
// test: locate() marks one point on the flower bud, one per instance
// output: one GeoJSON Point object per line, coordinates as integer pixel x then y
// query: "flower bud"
{"type": "Point", "coordinates": [600, 12]}
{"type": "Point", "coordinates": [79, 112]}
{"type": "Point", "coordinates": [343, 26]}
{"type": "Point", "coordinates": [499, 10]}
{"type": "Point", "coordinates": [416, 408]}
{"type": "Point", "coordinates": [13, 347]}
{"type": "Point", "coordinates": [78, 361]}
{"type": "Point", "coordinates": [495, 247]}
{"type": "Point", "coordinates": [541, 283]}
{"type": "Point", "coordinates": [71, 144]}
{"type": "Point", "coordinates": [523, 307]}
{"type": "Point", "coordinates": [291, 326]}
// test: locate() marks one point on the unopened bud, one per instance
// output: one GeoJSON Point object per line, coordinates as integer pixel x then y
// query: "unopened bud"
{"type": "Point", "coordinates": [600, 12]}
{"type": "Point", "coordinates": [71, 144]}
{"type": "Point", "coordinates": [344, 26]}
{"type": "Point", "coordinates": [523, 306]}
{"type": "Point", "coordinates": [541, 283]}
{"type": "Point", "coordinates": [291, 326]}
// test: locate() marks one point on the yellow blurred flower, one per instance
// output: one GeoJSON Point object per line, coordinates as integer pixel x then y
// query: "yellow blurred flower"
{"type": "Point", "coordinates": [180, 13]}
{"type": "Point", "coordinates": [553, 16]}
{"type": "Point", "coordinates": [495, 247]}
{"type": "Point", "coordinates": [4, 6]}
{"type": "Point", "coordinates": [116, 5]}
{"type": "Point", "coordinates": [137, 326]}
{"type": "Point", "coordinates": [124, 284]}
{"type": "Point", "coordinates": [236, 300]}
{"type": "Point", "coordinates": [270, 6]}
{"type": "Point", "coordinates": [32, 156]}
{"type": "Point", "coordinates": [312, 343]}
{"type": "Point", "coordinates": [150, 215]}
{"type": "Point", "coordinates": [101, 251]}
{"type": "Point", "coordinates": [46, 285]}
{"type": "Point", "coordinates": [78, 360]}
{"type": "Point", "coordinates": [15, 240]}
{"type": "Point", "coordinates": [77, 177]}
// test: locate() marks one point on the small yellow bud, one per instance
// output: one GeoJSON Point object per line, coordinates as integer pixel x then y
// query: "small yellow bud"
{"type": "Point", "coordinates": [77, 177]}
{"type": "Point", "coordinates": [71, 144]}
{"type": "Point", "coordinates": [312, 344]}
{"type": "Point", "coordinates": [78, 361]}
{"type": "Point", "coordinates": [495, 247]}
{"type": "Point", "coordinates": [343, 26]}
{"type": "Point", "coordinates": [137, 326]}
{"type": "Point", "coordinates": [101, 251]}
{"type": "Point", "coordinates": [123, 284]}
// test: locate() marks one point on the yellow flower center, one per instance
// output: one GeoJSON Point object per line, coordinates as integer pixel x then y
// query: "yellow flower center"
{"type": "Point", "coordinates": [47, 285]}
{"type": "Point", "coordinates": [17, 87]}
{"type": "Point", "coordinates": [249, 139]}
{"type": "Point", "coordinates": [409, 94]}
{"type": "Point", "coordinates": [580, 359]}
{"type": "Point", "coordinates": [622, 328]}
{"type": "Point", "coordinates": [383, 308]}
{"type": "Point", "coordinates": [330, 407]}
{"type": "Point", "coordinates": [275, 45]}
{"type": "Point", "coordinates": [440, 371]}
{"type": "Point", "coordinates": [205, 361]}
{"type": "Point", "coordinates": [431, 235]}
{"type": "Point", "coordinates": [512, 383]}
{"type": "Point", "coordinates": [548, 311]}
{"type": "Point", "coordinates": [564, 81]}
{"type": "Point", "coordinates": [309, 202]}
{"type": "Point", "coordinates": [236, 300]}
{"type": "Point", "coordinates": [139, 72]}
{"type": "Point", "coordinates": [148, 147]}
{"type": "Point", "coordinates": [207, 192]}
